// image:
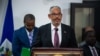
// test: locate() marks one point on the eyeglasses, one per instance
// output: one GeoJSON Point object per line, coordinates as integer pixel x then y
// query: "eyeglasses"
{"type": "Point", "coordinates": [56, 14]}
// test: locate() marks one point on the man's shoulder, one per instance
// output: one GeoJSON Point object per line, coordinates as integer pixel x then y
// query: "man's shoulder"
{"type": "Point", "coordinates": [36, 28]}
{"type": "Point", "coordinates": [20, 29]}
{"type": "Point", "coordinates": [66, 26]}
{"type": "Point", "coordinates": [45, 26]}
{"type": "Point", "coordinates": [82, 44]}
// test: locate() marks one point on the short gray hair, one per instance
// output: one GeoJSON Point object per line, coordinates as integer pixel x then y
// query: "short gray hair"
{"type": "Point", "coordinates": [54, 7]}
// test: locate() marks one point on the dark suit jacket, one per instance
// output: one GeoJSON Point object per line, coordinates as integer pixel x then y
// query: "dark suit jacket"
{"type": "Point", "coordinates": [20, 39]}
{"type": "Point", "coordinates": [87, 51]}
{"type": "Point", "coordinates": [43, 38]}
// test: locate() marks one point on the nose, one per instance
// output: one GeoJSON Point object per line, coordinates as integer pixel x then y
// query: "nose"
{"type": "Point", "coordinates": [56, 15]}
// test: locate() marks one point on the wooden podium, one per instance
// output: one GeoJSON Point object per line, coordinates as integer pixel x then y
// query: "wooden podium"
{"type": "Point", "coordinates": [57, 52]}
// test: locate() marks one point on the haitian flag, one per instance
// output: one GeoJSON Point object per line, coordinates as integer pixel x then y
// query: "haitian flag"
{"type": "Point", "coordinates": [7, 33]}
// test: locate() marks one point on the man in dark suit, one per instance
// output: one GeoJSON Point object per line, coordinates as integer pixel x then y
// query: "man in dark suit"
{"type": "Point", "coordinates": [89, 48]}
{"type": "Point", "coordinates": [55, 34]}
{"type": "Point", "coordinates": [24, 36]}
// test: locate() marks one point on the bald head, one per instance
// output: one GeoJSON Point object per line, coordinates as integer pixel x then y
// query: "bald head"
{"type": "Point", "coordinates": [89, 28]}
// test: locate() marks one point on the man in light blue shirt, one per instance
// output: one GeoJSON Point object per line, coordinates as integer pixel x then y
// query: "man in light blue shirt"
{"type": "Point", "coordinates": [24, 36]}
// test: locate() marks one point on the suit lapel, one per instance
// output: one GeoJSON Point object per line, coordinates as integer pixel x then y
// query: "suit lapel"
{"type": "Point", "coordinates": [49, 35]}
{"type": "Point", "coordinates": [64, 35]}
{"type": "Point", "coordinates": [26, 39]}
{"type": "Point", "coordinates": [34, 33]}
{"type": "Point", "coordinates": [98, 50]}
{"type": "Point", "coordinates": [87, 50]}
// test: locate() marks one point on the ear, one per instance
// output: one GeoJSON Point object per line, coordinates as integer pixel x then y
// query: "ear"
{"type": "Point", "coordinates": [49, 16]}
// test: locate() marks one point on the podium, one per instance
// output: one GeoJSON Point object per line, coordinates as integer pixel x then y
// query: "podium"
{"type": "Point", "coordinates": [57, 52]}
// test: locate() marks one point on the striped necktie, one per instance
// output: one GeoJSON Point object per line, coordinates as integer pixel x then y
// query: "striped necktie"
{"type": "Point", "coordinates": [56, 38]}
{"type": "Point", "coordinates": [94, 52]}
{"type": "Point", "coordinates": [30, 37]}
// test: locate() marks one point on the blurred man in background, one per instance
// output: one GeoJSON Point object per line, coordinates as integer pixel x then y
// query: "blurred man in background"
{"type": "Point", "coordinates": [89, 48]}
{"type": "Point", "coordinates": [24, 36]}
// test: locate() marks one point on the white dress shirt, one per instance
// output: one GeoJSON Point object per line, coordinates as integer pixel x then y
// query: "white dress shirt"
{"type": "Point", "coordinates": [30, 37]}
{"type": "Point", "coordinates": [53, 32]}
{"type": "Point", "coordinates": [92, 50]}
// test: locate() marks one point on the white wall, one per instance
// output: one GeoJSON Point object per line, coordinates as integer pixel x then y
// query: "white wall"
{"type": "Point", "coordinates": [40, 8]}
{"type": "Point", "coordinates": [3, 6]}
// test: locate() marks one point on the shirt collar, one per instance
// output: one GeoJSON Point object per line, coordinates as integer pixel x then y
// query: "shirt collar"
{"type": "Point", "coordinates": [28, 31]}
{"type": "Point", "coordinates": [91, 47]}
{"type": "Point", "coordinates": [52, 27]}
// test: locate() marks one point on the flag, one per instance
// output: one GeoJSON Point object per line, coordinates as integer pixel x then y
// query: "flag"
{"type": "Point", "coordinates": [8, 28]}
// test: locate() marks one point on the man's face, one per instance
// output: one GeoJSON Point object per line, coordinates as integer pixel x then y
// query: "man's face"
{"type": "Point", "coordinates": [29, 24]}
{"type": "Point", "coordinates": [55, 16]}
{"type": "Point", "coordinates": [91, 39]}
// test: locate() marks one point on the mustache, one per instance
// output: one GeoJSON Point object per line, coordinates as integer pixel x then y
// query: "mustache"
{"type": "Point", "coordinates": [57, 18]}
